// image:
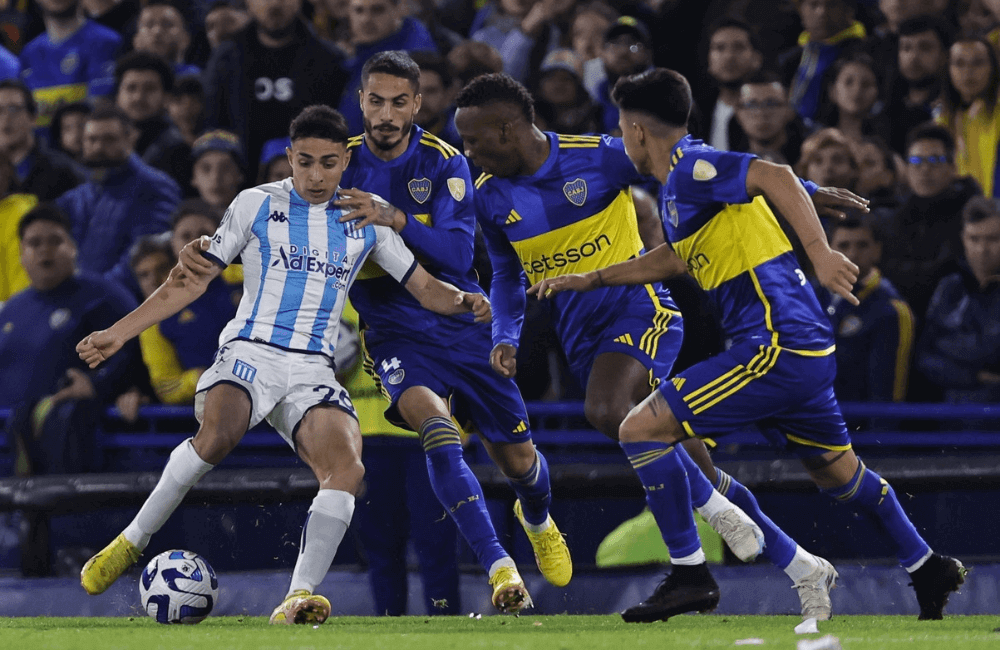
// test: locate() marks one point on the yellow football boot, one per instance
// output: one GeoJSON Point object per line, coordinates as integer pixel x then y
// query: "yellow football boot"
{"type": "Point", "coordinates": [301, 608]}
{"type": "Point", "coordinates": [103, 569]}
{"type": "Point", "coordinates": [509, 593]}
{"type": "Point", "coordinates": [551, 552]}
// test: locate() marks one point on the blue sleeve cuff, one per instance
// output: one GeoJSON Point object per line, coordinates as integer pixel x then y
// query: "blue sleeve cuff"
{"type": "Point", "coordinates": [811, 187]}
{"type": "Point", "coordinates": [406, 277]}
{"type": "Point", "coordinates": [215, 259]}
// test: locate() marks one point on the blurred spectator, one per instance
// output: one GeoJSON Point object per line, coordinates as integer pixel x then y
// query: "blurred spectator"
{"type": "Point", "coordinates": [969, 109]}
{"type": "Point", "coordinates": [561, 102]}
{"type": "Point", "coordinates": [830, 32]}
{"type": "Point", "coordinates": [142, 81]}
{"type": "Point", "coordinates": [124, 199]}
{"type": "Point", "coordinates": [922, 237]}
{"type": "Point", "coordinates": [73, 60]}
{"type": "Point", "coordinates": [261, 79]}
{"type": "Point", "coordinates": [117, 15]}
{"type": "Point", "coordinates": [223, 21]}
{"type": "Point", "coordinates": [56, 400]}
{"type": "Point", "coordinates": [186, 107]}
{"type": "Point", "coordinates": [828, 160]}
{"type": "Point", "coordinates": [883, 44]}
{"type": "Point", "coordinates": [13, 206]}
{"type": "Point", "coordinates": [766, 124]}
{"type": "Point", "coordinates": [10, 65]}
{"type": "Point", "coordinates": [733, 57]}
{"type": "Point", "coordinates": [959, 349]}
{"type": "Point", "coordinates": [470, 59]}
{"type": "Point", "coordinates": [377, 26]}
{"type": "Point", "coordinates": [587, 28]}
{"type": "Point", "coordinates": [331, 22]}
{"type": "Point", "coordinates": [626, 51]}
{"type": "Point", "coordinates": [66, 130]}
{"type": "Point", "coordinates": [437, 92]}
{"type": "Point", "coordinates": [874, 339]}
{"type": "Point", "coordinates": [877, 176]}
{"type": "Point", "coordinates": [922, 65]}
{"type": "Point", "coordinates": [161, 30]}
{"type": "Point", "coordinates": [426, 11]}
{"type": "Point", "coordinates": [274, 165]}
{"type": "Point", "coordinates": [854, 108]}
{"type": "Point", "coordinates": [219, 168]}
{"type": "Point", "coordinates": [523, 31]}
{"type": "Point", "coordinates": [193, 219]}
{"type": "Point", "coordinates": [39, 170]}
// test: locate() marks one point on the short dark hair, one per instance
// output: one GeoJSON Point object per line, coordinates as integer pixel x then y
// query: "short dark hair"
{"type": "Point", "coordinates": [664, 94]}
{"type": "Point", "coordinates": [144, 61]}
{"type": "Point", "coordinates": [766, 77]}
{"type": "Point", "coordinates": [195, 206]}
{"type": "Point", "coordinates": [110, 112]}
{"type": "Point", "coordinates": [396, 63]}
{"type": "Point", "coordinates": [931, 23]}
{"type": "Point", "coordinates": [730, 22]}
{"type": "Point", "coordinates": [497, 88]}
{"type": "Point", "coordinates": [319, 121]}
{"type": "Point", "coordinates": [174, 5]}
{"type": "Point", "coordinates": [188, 84]}
{"type": "Point", "coordinates": [149, 245]}
{"type": "Point", "coordinates": [44, 212]}
{"type": "Point", "coordinates": [980, 208]}
{"type": "Point", "coordinates": [855, 220]}
{"type": "Point", "coordinates": [434, 62]}
{"type": "Point", "coordinates": [931, 131]}
{"type": "Point", "coordinates": [21, 87]}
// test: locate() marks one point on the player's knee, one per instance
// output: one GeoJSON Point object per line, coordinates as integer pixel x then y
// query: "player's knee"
{"type": "Point", "coordinates": [605, 415]}
{"type": "Point", "coordinates": [216, 437]}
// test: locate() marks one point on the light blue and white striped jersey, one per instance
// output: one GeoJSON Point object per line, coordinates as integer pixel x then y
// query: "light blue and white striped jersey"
{"type": "Point", "coordinates": [298, 264]}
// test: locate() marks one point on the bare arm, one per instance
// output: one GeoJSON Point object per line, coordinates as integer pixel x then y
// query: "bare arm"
{"type": "Point", "coordinates": [443, 298]}
{"type": "Point", "coordinates": [661, 263]}
{"type": "Point", "coordinates": [782, 189]}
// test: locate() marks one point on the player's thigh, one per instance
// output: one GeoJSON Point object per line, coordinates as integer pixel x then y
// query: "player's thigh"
{"type": "Point", "coordinates": [651, 421]}
{"type": "Point", "coordinates": [398, 367]}
{"type": "Point", "coordinates": [225, 418]}
{"type": "Point", "coordinates": [617, 383]}
{"type": "Point", "coordinates": [328, 439]}
{"type": "Point", "coordinates": [417, 404]}
{"type": "Point", "coordinates": [514, 459]}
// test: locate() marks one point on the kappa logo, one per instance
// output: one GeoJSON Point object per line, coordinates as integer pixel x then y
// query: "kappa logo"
{"type": "Point", "coordinates": [576, 191]}
{"type": "Point", "coordinates": [278, 217]}
{"type": "Point", "coordinates": [420, 189]}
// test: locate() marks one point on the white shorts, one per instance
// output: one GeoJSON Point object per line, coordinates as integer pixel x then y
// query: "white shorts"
{"type": "Point", "coordinates": [281, 385]}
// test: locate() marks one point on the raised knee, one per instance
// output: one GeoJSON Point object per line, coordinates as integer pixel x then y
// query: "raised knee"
{"type": "Point", "coordinates": [605, 416]}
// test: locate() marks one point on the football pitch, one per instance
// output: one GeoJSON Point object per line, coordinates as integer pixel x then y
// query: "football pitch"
{"type": "Point", "coordinates": [513, 633]}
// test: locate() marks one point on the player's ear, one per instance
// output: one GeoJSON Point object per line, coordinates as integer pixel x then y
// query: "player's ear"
{"type": "Point", "coordinates": [288, 154]}
{"type": "Point", "coordinates": [418, 100]}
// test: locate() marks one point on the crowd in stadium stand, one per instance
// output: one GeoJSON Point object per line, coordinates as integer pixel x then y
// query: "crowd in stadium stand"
{"type": "Point", "coordinates": [150, 116]}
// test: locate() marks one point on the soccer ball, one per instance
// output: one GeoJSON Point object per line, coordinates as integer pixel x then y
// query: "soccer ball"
{"type": "Point", "coordinates": [178, 587]}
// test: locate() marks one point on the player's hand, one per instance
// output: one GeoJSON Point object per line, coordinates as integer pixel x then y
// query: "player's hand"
{"type": "Point", "coordinates": [369, 209]}
{"type": "Point", "coordinates": [477, 303]}
{"type": "Point", "coordinates": [191, 260]}
{"type": "Point", "coordinates": [99, 347]}
{"type": "Point", "coordinates": [832, 201]}
{"type": "Point", "coordinates": [128, 404]}
{"type": "Point", "coordinates": [571, 282]}
{"type": "Point", "coordinates": [79, 386]}
{"type": "Point", "coordinates": [834, 271]}
{"type": "Point", "coordinates": [503, 358]}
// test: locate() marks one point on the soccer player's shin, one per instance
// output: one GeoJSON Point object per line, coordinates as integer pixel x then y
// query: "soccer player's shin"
{"type": "Point", "coordinates": [532, 509]}
{"type": "Point", "coordinates": [534, 492]}
{"type": "Point", "coordinates": [779, 548]}
{"type": "Point", "coordinates": [326, 523]}
{"type": "Point", "coordinates": [458, 490]}
{"type": "Point", "coordinates": [701, 487]}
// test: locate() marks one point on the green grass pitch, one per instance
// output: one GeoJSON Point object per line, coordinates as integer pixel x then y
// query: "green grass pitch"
{"type": "Point", "coordinates": [507, 632]}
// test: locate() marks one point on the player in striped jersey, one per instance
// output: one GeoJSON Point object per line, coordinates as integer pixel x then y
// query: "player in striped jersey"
{"type": "Point", "coordinates": [275, 359]}
{"type": "Point", "coordinates": [552, 205]}
{"type": "Point", "coordinates": [431, 366]}
{"type": "Point", "coordinates": [779, 370]}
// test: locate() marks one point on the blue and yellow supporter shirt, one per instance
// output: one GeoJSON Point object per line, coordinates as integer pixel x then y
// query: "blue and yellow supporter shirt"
{"type": "Point", "coordinates": [75, 69]}
{"type": "Point", "coordinates": [430, 182]}
{"type": "Point", "coordinates": [736, 250]}
{"type": "Point", "coordinates": [575, 214]}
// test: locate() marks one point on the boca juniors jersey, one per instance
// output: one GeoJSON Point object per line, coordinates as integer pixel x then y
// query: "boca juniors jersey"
{"type": "Point", "coordinates": [298, 265]}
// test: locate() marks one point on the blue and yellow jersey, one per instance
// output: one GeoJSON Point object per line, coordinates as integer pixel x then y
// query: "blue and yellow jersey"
{"type": "Point", "coordinates": [430, 182]}
{"type": "Point", "coordinates": [736, 250]}
{"type": "Point", "coordinates": [78, 68]}
{"type": "Point", "coordinates": [194, 331]}
{"type": "Point", "coordinates": [575, 214]}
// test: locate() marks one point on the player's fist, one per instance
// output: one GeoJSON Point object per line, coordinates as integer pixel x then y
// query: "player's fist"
{"type": "Point", "coordinates": [504, 360]}
{"type": "Point", "coordinates": [99, 347]}
{"type": "Point", "coordinates": [477, 303]}
{"type": "Point", "coordinates": [191, 260]}
{"type": "Point", "coordinates": [549, 287]}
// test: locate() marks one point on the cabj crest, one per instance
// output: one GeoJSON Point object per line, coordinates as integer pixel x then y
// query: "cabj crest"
{"type": "Point", "coordinates": [576, 191]}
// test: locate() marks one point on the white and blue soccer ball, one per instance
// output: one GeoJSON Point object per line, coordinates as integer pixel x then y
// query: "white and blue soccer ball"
{"type": "Point", "coordinates": [178, 587]}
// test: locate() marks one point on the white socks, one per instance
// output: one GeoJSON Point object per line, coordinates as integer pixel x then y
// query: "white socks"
{"type": "Point", "coordinates": [329, 516]}
{"type": "Point", "coordinates": [696, 558]}
{"type": "Point", "coordinates": [715, 504]}
{"type": "Point", "coordinates": [801, 565]}
{"type": "Point", "coordinates": [919, 563]}
{"type": "Point", "coordinates": [504, 561]}
{"type": "Point", "coordinates": [183, 470]}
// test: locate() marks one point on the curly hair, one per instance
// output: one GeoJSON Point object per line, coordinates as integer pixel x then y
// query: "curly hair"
{"type": "Point", "coordinates": [497, 88]}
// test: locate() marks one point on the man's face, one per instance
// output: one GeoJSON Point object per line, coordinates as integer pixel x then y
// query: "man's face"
{"type": "Point", "coordinates": [186, 110]}
{"type": "Point", "coordinates": [625, 54]}
{"type": "Point", "coordinates": [189, 228]}
{"type": "Point", "coordinates": [969, 68]}
{"type": "Point", "coordinates": [374, 20]}
{"type": "Point", "coordinates": [763, 111]}
{"type": "Point", "coordinates": [434, 97]}
{"type": "Point", "coordinates": [223, 22]}
{"type": "Point", "coordinates": [161, 30]}
{"type": "Point", "coordinates": [487, 136]}
{"type": "Point", "coordinates": [731, 57]}
{"type": "Point", "coordinates": [587, 34]}
{"type": "Point", "coordinates": [16, 123]}
{"type": "Point", "coordinates": [824, 18]}
{"type": "Point", "coordinates": [48, 255]}
{"type": "Point", "coordinates": [106, 143]}
{"type": "Point", "coordinates": [274, 16]}
{"type": "Point", "coordinates": [981, 242]}
{"type": "Point", "coordinates": [859, 246]}
{"type": "Point", "coordinates": [141, 95]}
{"type": "Point", "coordinates": [388, 105]}
{"type": "Point", "coordinates": [217, 178]}
{"type": "Point", "coordinates": [317, 166]}
{"type": "Point", "coordinates": [921, 56]}
{"type": "Point", "coordinates": [855, 89]}
{"type": "Point", "coordinates": [151, 271]}
{"type": "Point", "coordinates": [929, 170]}
{"type": "Point", "coordinates": [71, 133]}
{"type": "Point", "coordinates": [831, 167]}
{"type": "Point", "coordinates": [559, 87]}
{"type": "Point", "coordinates": [635, 150]}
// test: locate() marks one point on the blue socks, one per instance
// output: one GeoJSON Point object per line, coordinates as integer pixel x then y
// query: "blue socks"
{"type": "Point", "coordinates": [533, 491]}
{"type": "Point", "coordinates": [458, 490]}
{"type": "Point", "coordinates": [779, 548]}
{"type": "Point", "coordinates": [661, 470]}
{"type": "Point", "coordinates": [701, 487]}
{"type": "Point", "coordinates": [875, 496]}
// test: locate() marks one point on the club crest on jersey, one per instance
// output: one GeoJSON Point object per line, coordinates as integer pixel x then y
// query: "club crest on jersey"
{"type": "Point", "coordinates": [675, 217]}
{"type": "Point", "coordinates": [704, 170]}
{"type": "Point", "coordinates": [850, 326]}
{"type": "Point", "coordinates": [457, 188]}
{"type": "Point", "coordinates": [576, 191]}
{"type": "Point", "coordinates": [420, 189]}
{"type": "Point", "coordinates": [352, 231]}
{"type": "Point", "coordinates": [69, 63]}
{"type": "Point", "coordinates": [59, 318]}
